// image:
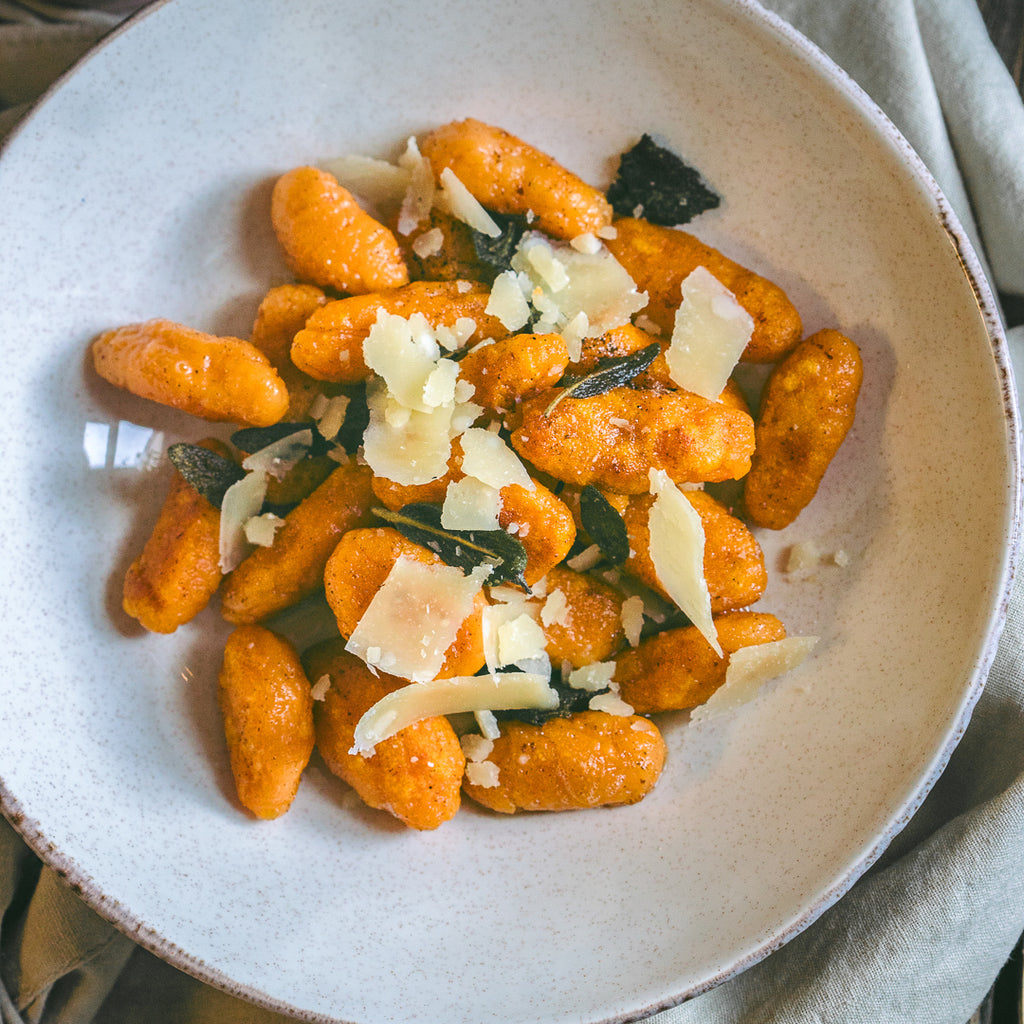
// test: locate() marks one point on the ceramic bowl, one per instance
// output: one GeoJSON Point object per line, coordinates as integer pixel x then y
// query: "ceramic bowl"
{"type": "Point", "coordinates": [140, 188]}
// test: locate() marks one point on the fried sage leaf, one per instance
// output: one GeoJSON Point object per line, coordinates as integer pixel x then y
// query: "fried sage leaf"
{"type": "Point", "coordinates": [497, 253]}
{"type": "Point", "coordinates": [604, 525]}
{"type": "Point", "coordinates": [571, 700]}
{"type": "Point", "coordinates": [420, 522]}
{"type": "Point", "coordinates": [610, 373]}
{"type": "Point", "coordinates": [668, 191]}
{"type": "Point", "coordinates": [209, 473]}
{"type": "Point", "coordinates": [254, 439]}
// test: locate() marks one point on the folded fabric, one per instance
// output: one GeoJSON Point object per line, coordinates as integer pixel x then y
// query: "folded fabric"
{"type": "Point", "coordinates": [922, 936]}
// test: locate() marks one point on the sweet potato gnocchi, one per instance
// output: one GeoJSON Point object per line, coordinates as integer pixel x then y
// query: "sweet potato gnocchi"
{"type": "Point", "coordinates": [494, 446]}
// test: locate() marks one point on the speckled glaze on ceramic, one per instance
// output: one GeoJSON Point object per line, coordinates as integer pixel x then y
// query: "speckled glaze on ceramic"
{"type": "Point", "coordinates": [140, 188]}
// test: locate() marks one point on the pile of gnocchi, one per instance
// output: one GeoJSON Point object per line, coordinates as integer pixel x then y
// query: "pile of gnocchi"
{"type": "Point", "coordinates": [479, 422]}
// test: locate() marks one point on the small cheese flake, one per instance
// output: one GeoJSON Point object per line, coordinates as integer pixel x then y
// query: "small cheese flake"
{"type": "Point", "coordinates": [677, 551]}
{"type": "Point", "coordinates": [587, 243]}
{"type": "Point", "coordinates": [463, 205]}
{"type": "Point", "coordinates": [597, 676]}
{"type": "Point", "coordinates": [710, 333]}
{"type": "Point", "coordinates": [242, 500]}
{"type": "Point", "coordinates": [487, 724]}
{"type": "Point", "coordinates": [520, 640]}
{"type": "Point", "coordinates": [429, 243]}
{"type": "Point", "coordinates": [633, 619]}
{"type": "Point", "coordinates": [413, 619]}
{"type": "Point", "coordinates": [260, 530]}
{"type": "Point", "coordinates": [555, 611]}
{"type": "Point", "coordinates": [493, 619]}
{"type": "Point", "coordinates": [802, 556]}
{"type": "Point", "coordinates": [841, 558]}
{"type": "Point", "coordinates": [475, 746]}
{"type": "Point", "coordinates": [610, 705]}
{"type": "Point", "coordinates": [586, 559]}
{"type": "Point", "coordinates": [420, 192]}
{"type": "Point", "coordinates": [380, 183]}
{"type": "Point", "coordinates": [482, 773]}
{"type": "Point", "coordinates": [507, 301]}
{"type": "Point", "coordinates": [318, 691]}
{"type": "Point", "coordinates": [487, 458]}
{"type": "Point", "coordinates": [470, 504]}
{"type": "Point", "coordinates": [330, 415]}
{"type": "Point", "coordinates": [501, 691]}
{"type": "Point", "coordinates": [750, 668]}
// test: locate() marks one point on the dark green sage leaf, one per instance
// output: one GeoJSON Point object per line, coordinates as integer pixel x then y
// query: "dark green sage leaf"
{"type": "Point", "coordinates": [209, 473]}
{"type": "Point", "coordinates": [604, 525]}
{"type": "Point", "coordinates": [464, 549]}
{"type": "Point", "coordinates": [357, 419]}
{"type": "Point", "coordinates": [497, 253]}
{"type": "Point", "coordinates": [571, 700]}
{"type": "Point", "coordinates": [614, 372]}
{"type": "Point", "coordinates": [254, 439]}
{"type": "Point", "coordinates": [669, 191]}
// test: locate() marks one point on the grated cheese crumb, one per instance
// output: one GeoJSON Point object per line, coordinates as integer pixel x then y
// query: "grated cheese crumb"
{"type": "Point", "coordinates": [633, 618]}
{"type": "Point", "coordinates": [482, 773]}
{"type": "Point", "coordinates": [610, 704]}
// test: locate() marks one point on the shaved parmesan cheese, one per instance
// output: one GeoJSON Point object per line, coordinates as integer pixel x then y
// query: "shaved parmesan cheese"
{"type": "Point", "coordinates": [594, 284]}
{"type": "Point", "coordinates": [419, 195]}
{"type": "Point", "coordinates": [487, 458]}
{"type": "Point", "coordinates": [593, 677]}
{"type": "Point", "coordinates": [330, 415]}
{"type": "Point", "coordinates": [404, 352]}
{"type": "Point", "coordinates": [280, 457]}
{"type": "Point", "coordinates": [318, 691]}
{"type": "Point", "coordinates": [413, 619]}
{"type": "Point", "coordinates": [750, 668]}
{"type": "Point", "coordinates": [487, 724]}
{"type": "Point", "coordinates": [555, 610]}
{"type": "Point", "coordinates": [502, 691]}
{"type": "Point", "coordinates": [429, 243]}
{"type": "Point", "coordinates": [470, 504]}
{"type": "Point", "coordinates": [586, 559]}
{"type": "Point", "coordinates": [464, 205]}
{"type": "Point", "coordinates": [482, 773]}
{"type": "Point", "coordinates": [475, 747]}
{"type": "Point", "coordinates": [610, 705]}
{"type": "Point", "coordinates": [260, 530]}
{"type": "Point", "coordinates": [242, 500]}
{"type": "Point", "coordinates": [711, 331]}
{"type": "Point", "coordinates": [587, 242]}
{"type": "Point", "coordinates": [520, 640]}
{"type": "Point", "coordinates": [633, 618]}
{"type": "Point", "coordinates": [404, 445]}
{"type": "Point", "coordinates": [493, 618]}
{"type": "Point", "coordinates": [507, 301]}
{"type": "Point", "coordinates": [677, 551]}
{"type": "Point", "coordinates": [381, 184]}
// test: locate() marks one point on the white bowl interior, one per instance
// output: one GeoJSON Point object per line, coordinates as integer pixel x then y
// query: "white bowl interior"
{"type": "Point", "coordinates": [140, 188]}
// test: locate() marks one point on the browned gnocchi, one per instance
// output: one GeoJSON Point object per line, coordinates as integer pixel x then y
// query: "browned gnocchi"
{"type": "Point", "coordinates": [485, 440]}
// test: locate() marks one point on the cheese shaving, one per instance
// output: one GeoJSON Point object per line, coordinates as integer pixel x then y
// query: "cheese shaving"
{"type": "Point", "coordinates": [750, 668]}
{"type": "Point", "coordinates": [464, 205]}
{"type": "Point", "coordinates": [487, 458]}
{"type": "Point", "coordinates": [414, 618]}
{"type": "Point", "coordinates": [677, 551]}
{"type": "Point", "coordinates": [242, 500]}
{"type": "Point", "coordinates": [470, 504]}
{"type": "Point", "coordinates": [502, 691]}
{"type": "Point", "coordinates": [711, 331]}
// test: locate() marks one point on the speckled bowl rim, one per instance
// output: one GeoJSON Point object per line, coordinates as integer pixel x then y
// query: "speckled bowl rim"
{"type": "Point", "coordinates": [762, 20]}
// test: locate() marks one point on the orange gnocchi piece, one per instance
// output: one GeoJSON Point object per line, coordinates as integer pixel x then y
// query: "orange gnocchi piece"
{"type": "Point", "coordinates": [807, 409]}
{"type": "Point", "coordinates": [415, 775]}
{"type": "Point", "coordinates": [267, 708]}
{"type": "Point", "coordinates": [218, 379]}
{"type": "Point", "coordinates": [590, 759]}
{"type": "Point", "coordinates": [328, 239]}
{"type": "Point", "coordinates": [178, 570]}
{"type": "Point", "coordinates": [677, 669]}
{"type": "Point", "coordinates": [508, 175]}
{"type": "Point", "coordinates": [659, 258]}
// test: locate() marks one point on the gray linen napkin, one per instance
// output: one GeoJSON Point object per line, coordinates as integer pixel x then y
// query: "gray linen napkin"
{"type": "Point", "coordinates": [923, 935]}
